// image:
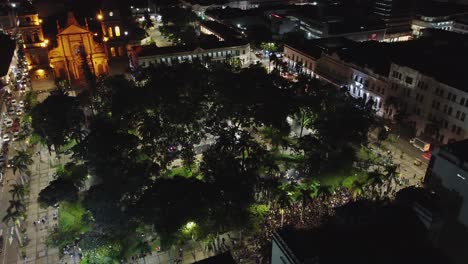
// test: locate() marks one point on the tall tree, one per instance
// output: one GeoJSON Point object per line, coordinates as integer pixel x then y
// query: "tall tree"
{"type": "Point", "coordinates": [57, 118]}
{"type": "Point", "coordinates": [18, 191]}
{"type": "Point", "coordinates": [21, 161]}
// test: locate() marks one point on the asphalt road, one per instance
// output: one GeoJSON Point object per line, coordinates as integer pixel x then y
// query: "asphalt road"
{"type": "Point", "coordinates": [10, 252]}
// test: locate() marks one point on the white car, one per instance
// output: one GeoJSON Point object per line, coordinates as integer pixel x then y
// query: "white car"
{"type": "Point", "coordinates": [21, 104]}
{"type": "Point", "coordinates": [19, 111]}
{"type": "Point", "coordinates": [8, 122]}
{"type": "Point", "coordinates": [15, 136]}
{"type": "Point", "coordinates": [13, 102]}
{"type": "Point", "coordinates": [6, 138]}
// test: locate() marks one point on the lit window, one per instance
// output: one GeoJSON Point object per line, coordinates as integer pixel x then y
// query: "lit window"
{"type": "Point", "coordinates": [117, 31]}
{"type": "Point", "coordinates": [109, 30]}
{"type": "Point", "coordinates": [112, 50]}
{"type": "Point", "coordinates": [111, 13]}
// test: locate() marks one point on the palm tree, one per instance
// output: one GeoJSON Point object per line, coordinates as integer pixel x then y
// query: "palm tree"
{"type": "Point", "coordinates": [306, 193]}
{"type": "Point", "coordinates": [357, 188]}
{"type": "Point", "coordinates": [13, 216]}
{"type": "Point", "coordinates": [21, 161]}
{"type": "Point", "coordinates": [16, 205]}
{"type": "Point", "coordinates": [374, 180]}
{"type": "Point", "coordinates": [273, 59]}
{"type": "Point", "coordinates": [17, 191]}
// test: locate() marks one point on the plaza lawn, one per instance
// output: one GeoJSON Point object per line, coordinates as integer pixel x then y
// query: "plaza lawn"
{"type": "Point", "coordinates": [184, 172]}
{"type": "Point", "coordinates": [68, 146]}
{"type": "Point", "coordinates": [71, 223]}
{"type": "Point", "coordinates": [341, 178]}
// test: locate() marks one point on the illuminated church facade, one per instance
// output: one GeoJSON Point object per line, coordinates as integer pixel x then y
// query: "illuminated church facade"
{"type": "Point", "coordinates": [74, 44]}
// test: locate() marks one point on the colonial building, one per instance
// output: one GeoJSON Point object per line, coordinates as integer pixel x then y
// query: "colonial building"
{"type": "Point", "coordinates": [74, 44]}
{"type": "Point", "coordinates": [215, 51]}
{"type": "Point", "coordinates": [114, 36]}
{"type": "Point", "coordinates": [419, 81]}
{"type": "Point", "coordinates": [35, 46]}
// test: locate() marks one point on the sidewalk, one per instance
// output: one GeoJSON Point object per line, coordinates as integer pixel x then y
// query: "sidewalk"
{"type": "Point", "coordinates": [191, 252]}
{"type": "Point", "coordinates": [36, 249]}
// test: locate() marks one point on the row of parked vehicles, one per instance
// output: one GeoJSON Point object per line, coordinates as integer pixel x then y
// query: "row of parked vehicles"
{"type": "Point", "coordinates": [12, 121]}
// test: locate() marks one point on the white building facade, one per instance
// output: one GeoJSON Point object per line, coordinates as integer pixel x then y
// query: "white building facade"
{"type": "Point", "coordinates": [241, 53]}
{"type": "Point", "coordinates": [435, 109]}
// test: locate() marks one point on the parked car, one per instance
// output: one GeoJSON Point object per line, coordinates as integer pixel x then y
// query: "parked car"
{"type": "Point", "coordinates": [19, 111]}
{"type": "Point", "coordinates": [6, 138]}
{"type": "Point", "coordinates": [21, 103]}
{"type": "Point", "coordinates": [11, 111]}
{"type": "Point", "coordinates": [8, 122]}
{"type": "Point", "coordinates": [13, 102]}
{"type": "Point", "coordinates": [15, 128]}
{"type": "Point", "coordinates": [15, 135]}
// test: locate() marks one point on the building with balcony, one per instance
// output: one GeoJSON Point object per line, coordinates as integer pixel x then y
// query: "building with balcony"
{"type": "Point", "coordinates": [421, 81]}
{"type": "Point", "coordinates": [222, 51]}
{"type": "Point", "coordinates": [35, 45]}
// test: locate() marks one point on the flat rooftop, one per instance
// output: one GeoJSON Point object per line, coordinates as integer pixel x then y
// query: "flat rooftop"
{"type": "Point", "coordinates": [458, 149]}
{"type": "Point", "coordinates": [392, 235]}
{"type": "Point", "coordinates": [224, 31]}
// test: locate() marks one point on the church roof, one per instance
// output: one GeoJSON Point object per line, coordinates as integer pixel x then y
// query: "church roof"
{"type": "Point", "coordinates": [73, 29]}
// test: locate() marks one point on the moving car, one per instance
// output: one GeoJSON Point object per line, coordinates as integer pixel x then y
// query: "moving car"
{"type": "Point", "coordinates": [13, 102]}
{"type": "Point", "coordinates": [21, 103]}
{"type": "Point", "coordinates": [19, 111]}
{"type": "Point", "coordinates": [11, 111]}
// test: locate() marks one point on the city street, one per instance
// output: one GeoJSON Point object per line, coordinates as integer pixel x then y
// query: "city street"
{"type": "Point", "coordinates": [10, 251]}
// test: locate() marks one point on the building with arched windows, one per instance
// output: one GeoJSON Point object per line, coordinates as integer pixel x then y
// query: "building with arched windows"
{"type": "Point", "coordinates": [76, 43]}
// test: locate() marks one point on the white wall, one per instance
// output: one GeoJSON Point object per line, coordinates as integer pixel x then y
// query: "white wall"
{"type": "Point", "coordinates": [453, 178]}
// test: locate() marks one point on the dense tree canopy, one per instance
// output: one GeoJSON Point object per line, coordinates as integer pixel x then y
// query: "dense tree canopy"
{"type": "Point", "coordinates": [58, 119]}
{"type": "Point", "coordinates": [142, 129]}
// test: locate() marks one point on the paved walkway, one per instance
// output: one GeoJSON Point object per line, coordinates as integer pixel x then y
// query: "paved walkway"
{"type": "Point", "coordinates": [36, 249]}
{"type": "Point", "coordinates": [191, 252]}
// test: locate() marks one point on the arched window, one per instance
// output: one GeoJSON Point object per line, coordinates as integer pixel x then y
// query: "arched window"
{"type": "Point", "coordinates": [109, 31]}
{"type": "Point", "coordinates": [112, 50]}
{"type": "Point", "coordinates": [117, 31]}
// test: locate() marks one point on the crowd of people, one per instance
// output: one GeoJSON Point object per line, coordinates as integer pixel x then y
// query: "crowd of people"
{"type": "Point", "coordinates": [308, 215]}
